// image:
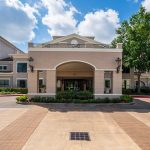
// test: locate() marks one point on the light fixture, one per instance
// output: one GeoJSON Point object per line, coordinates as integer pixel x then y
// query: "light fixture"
{"type": "Point", "coordinates": [31, 68]}
{"type": "Point", "coordinates": [30, 59]}
{"type": "Point", "coordinates": [118, 61]}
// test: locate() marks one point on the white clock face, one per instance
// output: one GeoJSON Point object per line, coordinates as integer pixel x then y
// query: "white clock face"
{"type": "Point", "coordinates": [74, 42]}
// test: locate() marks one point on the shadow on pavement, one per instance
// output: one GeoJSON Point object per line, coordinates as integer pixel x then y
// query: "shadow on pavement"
{"type": "Point", "coordinates": [137, 106]}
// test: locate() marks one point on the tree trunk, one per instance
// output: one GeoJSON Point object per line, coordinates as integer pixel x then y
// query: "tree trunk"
{"type": "Point", "coordinates": [138, 85]}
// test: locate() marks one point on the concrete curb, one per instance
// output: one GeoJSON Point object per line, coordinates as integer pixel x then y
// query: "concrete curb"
{"type": "Point", "coordinates": [7, 95]}
{"type": "Point", "coordinates": [96, 104]}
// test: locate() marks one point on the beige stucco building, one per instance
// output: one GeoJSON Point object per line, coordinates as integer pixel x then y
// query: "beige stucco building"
{"type": "Point", "coordinates": [9, 75]}
{"type": "Point", "coordinates": [67, 63]}
{"type": "Point", "coordinates": [75, 63]}
{"type": "Point", "coordinates": [70, 62]}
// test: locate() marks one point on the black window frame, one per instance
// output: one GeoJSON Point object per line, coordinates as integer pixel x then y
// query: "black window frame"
{"type": "Point", "coordinates": [4, 84]}
{"type": "Point", "coordinates": [20, 85]}
{"type": "Point", "coordinates": [22, 69]}
{"type": "Point", "coordinates": [2, 67]}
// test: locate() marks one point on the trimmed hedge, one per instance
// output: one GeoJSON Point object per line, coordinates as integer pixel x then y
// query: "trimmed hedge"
{"type": "Point", "coordinates": [128, 91]}
{"type": "Point", "coordinates": [74, 95]}
{"type": "Point", "coordinates": [13, 90]}
{"type": "Point", "coordinates": [122, 99]}
{"type": "Point", "coordinates": [43, 99]}
{"type": "Point", "coordinates": [144, 90]}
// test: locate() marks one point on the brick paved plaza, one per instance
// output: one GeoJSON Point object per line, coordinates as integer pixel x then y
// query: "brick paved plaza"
{"type": "Point", "coordinates": [48, 127]}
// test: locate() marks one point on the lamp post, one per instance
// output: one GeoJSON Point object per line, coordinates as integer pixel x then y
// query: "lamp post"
{"type": "Point", "coordinates": [118, 61]}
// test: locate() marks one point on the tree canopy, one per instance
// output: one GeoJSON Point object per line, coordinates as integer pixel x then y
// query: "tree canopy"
{"type": "Point", "coordinates": [135, 36]}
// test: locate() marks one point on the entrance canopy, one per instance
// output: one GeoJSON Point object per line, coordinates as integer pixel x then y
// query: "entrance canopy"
{"type": "Point", "coordinates": [75, 69]}
{"type": "Point", "coordinates": [75, 76]}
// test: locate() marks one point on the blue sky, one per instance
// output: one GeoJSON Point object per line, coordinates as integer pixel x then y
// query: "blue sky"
{"type": "Point", "coordinates": [37, 21]}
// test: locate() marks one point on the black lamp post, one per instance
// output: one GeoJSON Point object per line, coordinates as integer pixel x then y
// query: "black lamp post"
{"type": "Point", "coordinates": [30, 59]}
{"type": "Point", "coordinates": [118, 61]}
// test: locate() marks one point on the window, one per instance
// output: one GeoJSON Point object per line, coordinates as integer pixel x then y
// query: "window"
{"type": "Point", "coordinates": [108, 82]}
{"type": "Point", "coordinates": [3, 67]}
{"type": "Point", "coordinates": [142, 84]}
{"type": "Point", "coordinates": [4, 83]}
{"type": "Point", "coordinates": [41, 82]}
{"type": "Point", "coordinates": [22, 83]}
{"type": "Point", "coordinates": [125, 69]}
{"type": "Point", "coordinates": [126, 84]}
{"type": "Point", "coordinates": [21, 67]}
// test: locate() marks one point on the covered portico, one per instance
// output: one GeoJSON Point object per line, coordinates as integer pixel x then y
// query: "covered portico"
{"type": "Point", "coordinates": [75, 76]}
{"type": "Point", "coordinates": [81, 68]}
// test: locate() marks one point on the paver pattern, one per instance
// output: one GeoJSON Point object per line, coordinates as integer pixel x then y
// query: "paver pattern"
{"type": "Point", "coordinates": [15, 135]}
{"type": "Point", "coordinates": [8, 115]}
{"type": "Point", "coordinates": [136, 129]}
{"type": "Point", "coordinates": [54, 131]}
{"type": "Point", "coordinates": [48, 127]}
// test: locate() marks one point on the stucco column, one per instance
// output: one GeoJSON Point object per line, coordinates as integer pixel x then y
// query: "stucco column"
{"type": "Point", "coordinates": [51, 82]}
{"type": "Point", "coordinates": [33, 81]}
{"type": "Point", "coordinates": [117, 82]}
{"type": "Point", "coordinates": [98, 82]}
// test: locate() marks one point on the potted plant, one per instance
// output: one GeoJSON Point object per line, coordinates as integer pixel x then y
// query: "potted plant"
{"type": "Point", "coordinates": [43, 88]}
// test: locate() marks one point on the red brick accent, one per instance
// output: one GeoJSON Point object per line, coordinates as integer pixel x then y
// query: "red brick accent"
{"type": "Point", "coordinates": [15, 135]}
{"type": "Point", "coordinates": [137, 130]}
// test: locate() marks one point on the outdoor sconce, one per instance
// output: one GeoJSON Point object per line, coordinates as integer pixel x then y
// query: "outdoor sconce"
{"type": "Point", "coordinates": [118, 61]}
{"type": "Point", "coordinates": [30, 59]}
{"type": "Point", "coordinates": [31, 68]}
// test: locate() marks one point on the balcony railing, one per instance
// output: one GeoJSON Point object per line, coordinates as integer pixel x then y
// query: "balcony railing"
{"type": "Point", "coordinates": [66, 45]}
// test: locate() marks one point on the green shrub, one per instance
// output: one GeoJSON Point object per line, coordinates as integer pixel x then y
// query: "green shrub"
{"type": "Point", "coordinates": [116, 100]}
{"type": "Point", "coordinates": [22, 98]}
{"type": "Point", "coordinates": [83, 95]}
{"type": "Point", "coordinates": [65, 95]}
{"type": "Point", "coordinates": [126, 98]}
{"type": "Point", "coordinates": [74, 95]}
{"type": "Point", "coordinates": [128, 91]}
{"type": "Point", "coordinates": [145, 90]}
{"type": "Point", "coordinates": [13, 90]}
{"type": "Point", "coordinates": [42, 99]}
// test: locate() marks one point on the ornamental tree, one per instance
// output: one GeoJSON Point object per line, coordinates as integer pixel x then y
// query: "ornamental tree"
{"type": "Point", "coordinates": [135, 36]}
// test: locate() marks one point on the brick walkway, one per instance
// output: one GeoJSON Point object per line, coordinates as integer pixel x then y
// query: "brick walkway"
{"type": "Point", "coordinates": [15, 135]}
{"type": "Point", "coordinates": [138, 131]}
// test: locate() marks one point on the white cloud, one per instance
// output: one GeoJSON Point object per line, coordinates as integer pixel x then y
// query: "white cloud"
{"type": "Point", "coordinates": [146, 4]}
{"type": "Point", "coordinates": [61, 21]}
{"type": "Point", "coordinates": [17, 21]}
{"type": "Point", "coordinates": [60, 17]}
{"type": "Point", "coordinates": [101, 24]}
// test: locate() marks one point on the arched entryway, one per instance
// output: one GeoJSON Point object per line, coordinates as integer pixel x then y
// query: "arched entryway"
{"type": "Point", "coordinates": [75, 76]}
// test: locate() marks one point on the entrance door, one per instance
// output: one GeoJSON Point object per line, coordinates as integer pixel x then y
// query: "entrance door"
{"type": "Point", "coordinates": [77, 84]}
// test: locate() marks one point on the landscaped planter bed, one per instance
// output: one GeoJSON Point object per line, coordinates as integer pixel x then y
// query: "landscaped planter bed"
{"type": "Point", "coordinates": [38, 99]}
